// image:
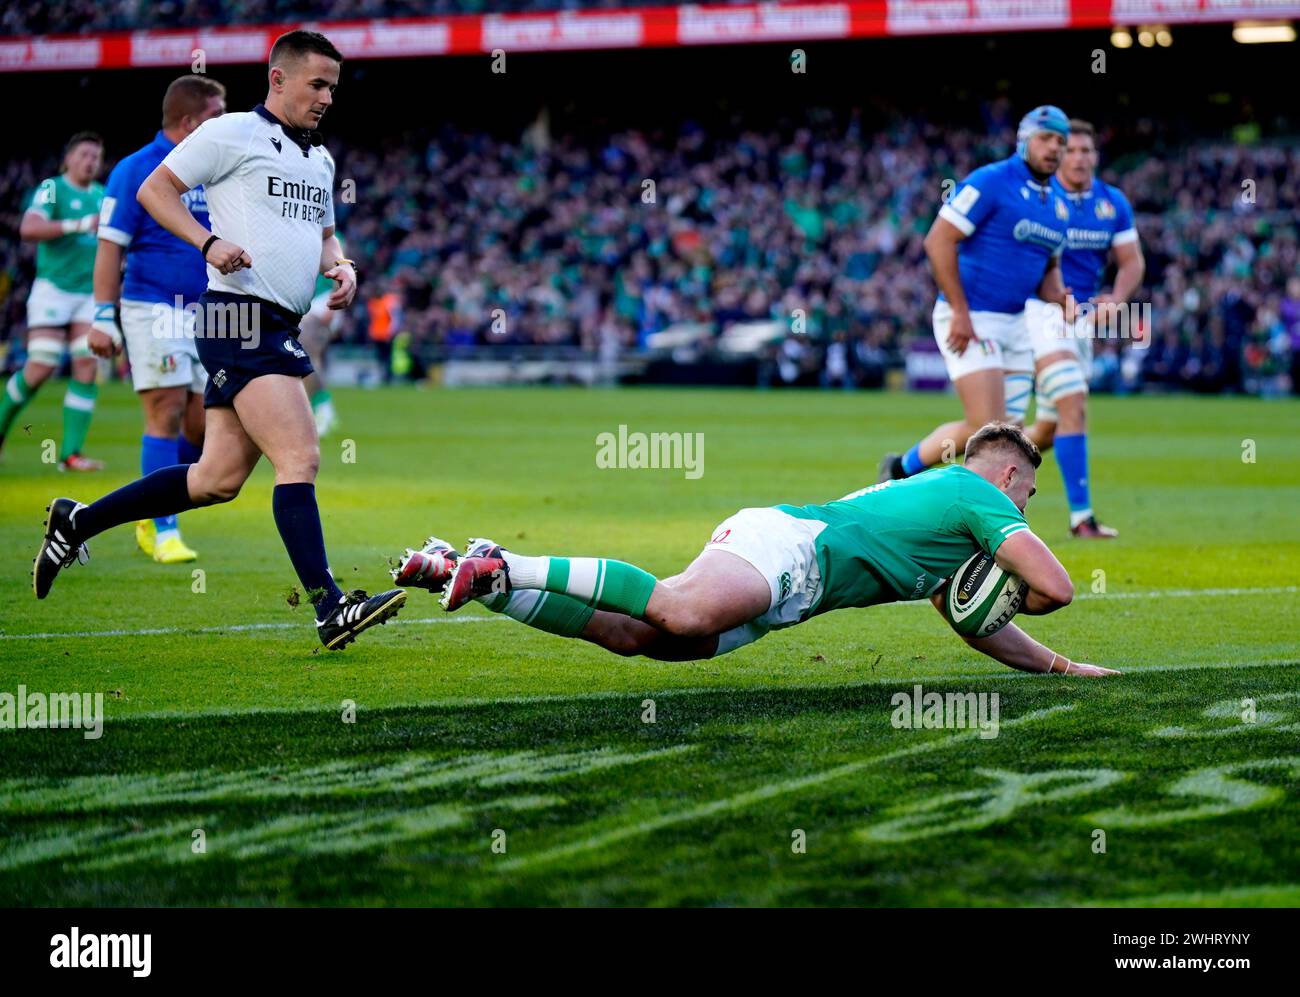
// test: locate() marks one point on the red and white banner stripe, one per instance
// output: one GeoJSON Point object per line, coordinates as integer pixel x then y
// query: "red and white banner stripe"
{"type": "Point", "coordinates": [613, 29]}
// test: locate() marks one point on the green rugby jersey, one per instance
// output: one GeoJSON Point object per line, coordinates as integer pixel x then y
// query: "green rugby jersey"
{"type": "Point", "coordinates": [901, 539]}
{"type": "Point", "coordinates": [67, 262]}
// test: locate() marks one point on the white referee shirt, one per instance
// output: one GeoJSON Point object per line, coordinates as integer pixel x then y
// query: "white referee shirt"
{"type": "Point", "coordinates": [267, 194]}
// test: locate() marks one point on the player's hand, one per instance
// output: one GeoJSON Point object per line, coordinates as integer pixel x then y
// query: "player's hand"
{"type": "Point", "coordinates": [960, 332]}
{"type": "Point", "coordinates": [342, 295]}
{"type": "Point", "coordinates": [1089, 671]}
{"type": "Point", "coordinates": [86, 223]}
{"type": "Point", "coordinates": [102, 344]}
{"type": "Point", "coordinates": [227, 257]}
{"type": "Point", "coordinates": [1107, 306]}
{"type": "Point", "coordinates": [1069, 307]}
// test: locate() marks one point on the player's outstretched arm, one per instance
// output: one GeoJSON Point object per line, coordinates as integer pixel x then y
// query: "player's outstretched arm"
{"type": "Point", "coordinates": [35, 227]}
{"type": "Point", "coordinates": [1131, 268]}
{"type": "Point", "coordinates": [941, 250]}
{"type": "Point", "coordinates": [1016, 649]}
{"type": "Point", "coordinates": [1050, 587]}
{"type": "Point", "coordinates": [105, 339]}
{"type": "Point", "coordinates": [1052, 287]}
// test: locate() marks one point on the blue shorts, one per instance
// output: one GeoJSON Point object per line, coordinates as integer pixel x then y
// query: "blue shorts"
{"type": "Point", "coordinates": [240, 337]}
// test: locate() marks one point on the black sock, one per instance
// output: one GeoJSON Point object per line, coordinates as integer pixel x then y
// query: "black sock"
{"type": "Point", "coordinates": [298, 520]}
{"type": "Point", "coordinates": [162, 493]}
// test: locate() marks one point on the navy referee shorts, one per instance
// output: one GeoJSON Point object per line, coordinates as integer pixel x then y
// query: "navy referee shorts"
{"type": "Point", "coordinates": [240, 337]}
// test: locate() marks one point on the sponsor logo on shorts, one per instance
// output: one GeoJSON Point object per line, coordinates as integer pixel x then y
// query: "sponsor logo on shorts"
{"type": "Point", "coordinates": [785, 585]}
{"type": "Point", "coordinates": [168, 364]}
{"type": "Point", "coordinates": [290, 346]}
{"type": "Point", "coordinates": [721, 538]}
{"type": "Point", "coordinates": [219, 378]}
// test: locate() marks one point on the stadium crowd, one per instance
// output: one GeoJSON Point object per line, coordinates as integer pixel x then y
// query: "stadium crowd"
{"type": "Point", "coordinates": [474, 241]}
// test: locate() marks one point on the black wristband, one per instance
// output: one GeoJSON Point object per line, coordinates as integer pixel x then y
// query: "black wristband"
{"type": "Point", "coordinates": [208, 245]}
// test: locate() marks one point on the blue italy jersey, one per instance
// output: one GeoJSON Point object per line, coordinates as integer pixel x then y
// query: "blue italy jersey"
{"type": "Point", "coordinates": [1013, 226]}
{"type": "Point", "coordinates": [159, 266]}
{"type": "Point", "coordinates": [1100, 217]}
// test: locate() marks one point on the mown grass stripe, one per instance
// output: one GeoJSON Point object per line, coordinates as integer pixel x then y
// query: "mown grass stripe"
{"type": "Point", "coordinates": [757, 795]}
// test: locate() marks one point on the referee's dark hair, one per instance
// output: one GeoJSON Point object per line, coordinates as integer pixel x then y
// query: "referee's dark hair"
{"type": "Point", "coordinates": [293, 45]}
{"type": "Point", "coordinates": [76, 140]}
{"type": "Point", "coordinates": [188, 95]}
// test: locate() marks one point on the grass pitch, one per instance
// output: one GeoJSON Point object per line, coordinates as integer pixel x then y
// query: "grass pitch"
{"type": "Point", "coordinates": [489, 763]}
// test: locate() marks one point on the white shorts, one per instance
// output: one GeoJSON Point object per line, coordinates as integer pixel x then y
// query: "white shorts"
{"type": "Point", "coordinates": [999, 344]}
{"type": "Point", "coordinates": [1047, 332]}
{"type": "Point", "coordinates": [160, 345]}
{"type": "Point", "coordinates": [780, 547]}
{"type": "Point", "coordinates": [50, 307]}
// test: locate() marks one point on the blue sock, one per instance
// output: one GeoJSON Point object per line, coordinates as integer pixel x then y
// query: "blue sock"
{"type": "Point", "coordinates": [1072, 456]}
{"type": "Point", "coordinates": [162, 493]}
{"type": "Point", "coordinates": [187, 452]}
{"type": "Point", "coordinates": [157, 452]}
{"type": "Point", "coordinates": [298, 521]}
{"type": "Point", "coordinates": [912, 462]}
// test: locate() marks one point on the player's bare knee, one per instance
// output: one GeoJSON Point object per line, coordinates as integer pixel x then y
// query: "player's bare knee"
{"type": "Point", "coordinates": [301, 465]}
{"type": "Point", "coordinates": [165, 422]}
{"type": "Point", "coordinates": [1073, 413]}
{"type": "Point", "coordinates": [688, 620]}
{"type": "Point", "coordinates": [209, 488]}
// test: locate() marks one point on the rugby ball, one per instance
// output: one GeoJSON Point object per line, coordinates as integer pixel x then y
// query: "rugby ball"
{"type": "Point", "coordinates": [981, 598]}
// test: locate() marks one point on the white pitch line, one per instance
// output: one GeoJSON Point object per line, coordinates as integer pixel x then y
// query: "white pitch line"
{"type": "Point", "coordinates": [238, 628]}
{"type": "Point", "coordinates": [246, 627]}
{"type": "Point", "coordinates": [1191, 593]}
{"type": "Point", "coordinates": [468, 702]}
{"type": "Point", "coordinates": [761, 793]}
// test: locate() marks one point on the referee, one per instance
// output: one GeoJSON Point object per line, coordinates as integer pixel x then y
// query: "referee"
{"type": "Point", "coordinates": [269, 184]}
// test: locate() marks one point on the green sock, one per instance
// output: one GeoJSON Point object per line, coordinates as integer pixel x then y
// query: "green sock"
{"type": "Point", "coordinates": [78, 408]}
{"type": "Point", "coordinates": [319, 397]}
{"type": "Point", "coordinates": [612, 585]}
{"type": "Point", "coordinates": [16, 395]}
{"type": "Point", "coordinates": [556, 614]}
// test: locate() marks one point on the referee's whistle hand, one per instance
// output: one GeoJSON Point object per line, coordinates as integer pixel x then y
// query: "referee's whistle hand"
{"type": "Point", "coordinates": [342, 295]}
{"type": "Point", "coordinates": [227, 257]}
